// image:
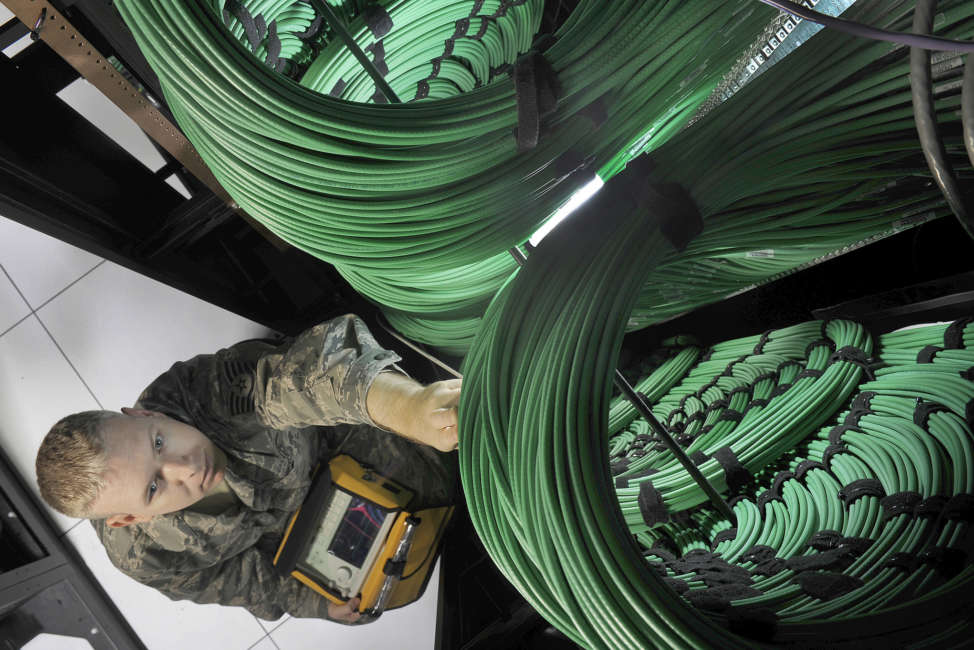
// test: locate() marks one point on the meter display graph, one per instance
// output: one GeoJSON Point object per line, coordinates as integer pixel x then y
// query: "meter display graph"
{"type": "Point", "coordinates": [357, 531]}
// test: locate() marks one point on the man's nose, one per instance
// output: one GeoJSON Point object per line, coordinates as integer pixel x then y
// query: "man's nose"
{"type": "Point", "coordinates": [179, 468]}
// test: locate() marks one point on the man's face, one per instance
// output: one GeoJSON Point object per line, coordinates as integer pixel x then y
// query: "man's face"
{"type": "Point", "coordinates": [155, 465]}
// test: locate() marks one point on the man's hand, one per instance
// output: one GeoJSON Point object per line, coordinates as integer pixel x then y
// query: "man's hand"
{"type": "Point", "coordinates": [347, 613]}
{"type": "Point", "coordinates": [426, 414]}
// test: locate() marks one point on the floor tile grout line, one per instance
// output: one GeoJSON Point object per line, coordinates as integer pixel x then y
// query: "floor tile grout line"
{"type": "Point", "coordinates": [74, 282]}
{"type": "Point", "coordinates": [58, 346]}
{"type": "Point", "coordinates": [43, 304]}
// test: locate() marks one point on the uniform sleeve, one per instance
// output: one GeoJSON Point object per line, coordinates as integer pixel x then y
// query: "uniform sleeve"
{"type": "Point", "coordinates": [322, 378]}
{"type": "Point", "coordinates": [246, 580]}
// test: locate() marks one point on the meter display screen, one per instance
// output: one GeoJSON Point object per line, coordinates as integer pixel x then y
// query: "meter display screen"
{"type": "Point", "coordinates": [357, 530]}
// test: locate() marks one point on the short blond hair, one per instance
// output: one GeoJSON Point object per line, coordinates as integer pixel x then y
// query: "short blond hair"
{"type": "Point", "coordinates": [71, 463]}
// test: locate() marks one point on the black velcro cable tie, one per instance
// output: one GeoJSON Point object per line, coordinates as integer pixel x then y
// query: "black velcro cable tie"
{"type": "Point", "coordinates": [735, 474]}
{"type": "Point", "coordinates": [378, 52]}
{"type": "Point", "coordinates": [661, 553]}
{"type": "Point", "coordinates": [651, 505]}
{"type": "Point", "coordinates": [809, 372]}
{"type": "Point", "coordinates": [856, 546]}
{"type": "Point", "coordinates": [931, 506]}
{"type": "Point", "coordinates": [377, 19]}
{"type": "Point", "coordinates": [698, 457]}
{"type": "Point", "coordinates": [923, 411]}
{"type": "Point", "coordinates": [313, 29]}
{"type": "Point", "coordinates": [836, 433]}
{"type": "Point", "coordinates": [273, 47]}
{"type": "Point", "coordinates": [252, 28]}
{"type": "Point", "coordinates": [477, 6]}
{"type": "Point", "coordinates": [789, 362]}
{"type": "Point", "coordinates": [729, 370]}
{"type": "Point", "coordinates": [836, 558]}
{"type": "Point", "coordinates": [830, 451]}
{"type": "Point", "coordinates": [619, 466]}
{"type": "Point", "coordinates": [379, 97]}
{"type": "Point", "coordinates": [338, 88]}
{"type": "Point", "coordinates": [945, 560]}
{"type": "Point", "coordinates": [460, 28]}
{"type": "Point", "coordinates": [825, 540]}
{"type": "Point", "coordinates": [863, 401]}
{"type": "Point", "coordinates": [680, 219]}
{"type": "Point", "coordinates": [755, 403]}
{"type": "Point", "coordinates": [484, 26]}
{"type": "Point", "coordinates": [927, 354]}
{"type": "Point", "coordinates": [752, 622]}
{"type": "Point", "coordinates": [780, 389]}
{"type": "Point", "coordinates": [765, 497]}
{"type": "Point", "coordinates": [643, 438]}
{"type": "Point", "coordinates": [852, 354]}
{"type": "Point", "coordinates": [677, 585]}
{"type": "Point", "coordinates": [769, 568]}
{"type": "Point", "coordinates": [827, 342]}
{"type": "Point", "coordinates": [954, 334]}
{"type": "Point", "coordinates": [685, 439]}
{"type": "Point", "coordinates": [904, 561]}
{"type": "Point", "coordinates": [900, 503]}
{"type": "Point", "coordinates": [758, 554]}
{"type": "Point", "coordinates": [448, 47]}
{"type": "Point", "coordinates": [436, 63]}
{"type": "Point", "coordinates": [765, 337]}
{"type": "Point", "coordinates": [826, 586]}
{"type": "Point", "coordinates": [730, 414]}
{"type": "Point", "coordinates": [537, 89]}
{"type": "Point", "coordinates": [735, 500]}
{"type": "Point", "coordinates": [637, 453]}
{"type": "Point", "coordinates": [706, 355]}
{"type": "Point", "coordinates": [622, 482]}
{"type": "Point", "coordinates": [967, 374]}
{"type": "Point", "coordinates": [779, 480]}
{"type": "Point", "coordinates": [422, 90]}
{"type": "Point", "coordinates": [960, 507]}
{"type": "Point", "coordinates": [768, 375]}
{"type": "Point", "coordinates": [805, 466]}
{"type": "Point", "coordinates": [723, 536]}
{"type": "Point", "coordinates": [864, 487]}
{"type": "Point", "coordinates": [740, 389]}
{"type": "Point", "coordinates": [394, 568]}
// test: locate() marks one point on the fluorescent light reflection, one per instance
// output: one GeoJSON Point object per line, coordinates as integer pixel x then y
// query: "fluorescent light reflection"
{"type": "Point", "coordinates": [584, 193]}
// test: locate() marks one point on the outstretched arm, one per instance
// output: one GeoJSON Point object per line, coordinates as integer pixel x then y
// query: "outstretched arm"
{"type": "Point", "coordinates": [426, 414]}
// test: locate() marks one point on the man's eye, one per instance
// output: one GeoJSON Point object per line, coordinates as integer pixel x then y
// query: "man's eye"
{"type": "Point", "coordinates": [158, 442]}
{"type": "Point", "coordinates": [152, 489]}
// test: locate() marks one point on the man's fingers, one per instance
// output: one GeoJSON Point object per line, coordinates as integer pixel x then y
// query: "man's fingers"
{"type": "Point", "coordinates": [443, 418]}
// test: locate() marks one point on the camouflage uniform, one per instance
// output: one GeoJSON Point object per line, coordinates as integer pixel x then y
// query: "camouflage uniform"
{"type": "Point", "coordinates": [276, 411]}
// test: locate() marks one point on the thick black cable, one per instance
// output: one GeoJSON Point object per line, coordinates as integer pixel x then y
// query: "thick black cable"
{"type": "Point", "coordinates": [921, 87]}
{"type": "Point", "coordinates": [874, 33]}
{"type": "Point", "coordinates": [967, 108]}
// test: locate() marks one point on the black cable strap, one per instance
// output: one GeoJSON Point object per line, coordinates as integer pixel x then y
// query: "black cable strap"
{"type": "Point", "coordinates": [735, 474]}
{"type": "Point", "coordinates": [758, 554]}
{"type": "Point", "coordinates": [723, 536]}
{"type": "Point", "coordinates": [954, 334]}
{"type": "Point", "coordinates": [254, 27]}
{"type": "Point", "coordinates": [313, 29]}
{"type": "Point", "coordinates": [805, 466]}
{"type": "Point", "coordinates": [754, 403]}
{"type": "Point", "coordinates": [768, 375]}
{"type": "Point", "coordinates": [863, 401]}
{"type": "Point", "coordinates": [537, 89]}
{"type": "Point", "coordinates": [907, 562]}
{"type": "Point", "coordinates": [931, 506]}
{"type": "Point", "coordinates": [923, 411]}
{"type": "Point", "coordinates": [967, 374]}
{"type": "Point", "coordinates": [620, 466]}
{"type": "Point", "coordinates": [825, 540]}
{"type": "Point", "coordinates": [378, 51]}
{"type": "Point", "coordinates": [960, 507]}
{"type": "Point", "coordinates": [338, 88]}
{"type": "Point", "coordinates": [752, 622]}
{"type": "Point", "coordinates": [651, 505]}
{"type": "Point", "coordinates": [852, 354]}
{"type": "Point", "coordinates": [394, 568]}
{"type": "Point", "coordinates": [900, 503]}
{"type": "Point", "coordinates": [830, 451]}
{"type": "Point", "coordinates": [808, 372]}
{"type": "Point", "coordinates": [377, 20]}
{"type": "Point", "coordinates": [864, 487]}
{"type": "Point", "coordinates": [826, 586]}
{"type": "Point", "coordinates": [945, 560]}
{"type": "Point", "coordinates": [780, 389]}
{"type": "Point", "coordinates": [827, 342]}
{"type": "Point", "coordinates": [765, 337]}
{"type": "Point", "coordinates": [677, 585]}
{"type": "Point", "coordinates": [699, 458]}
{"type": "Point", "coordinates": [836, 558]}
{"type": "Point", "coordinates": [731, 415]}
{"type": "Point", "coordinates": [836, 433]}
{"type": "Point", "coordinates": [927, 354]}
{"type": "Point", "coordinates": [484, 25]}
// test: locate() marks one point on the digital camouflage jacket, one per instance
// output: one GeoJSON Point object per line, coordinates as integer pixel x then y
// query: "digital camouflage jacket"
{"type": "Point", "coordinates": [276, 410]}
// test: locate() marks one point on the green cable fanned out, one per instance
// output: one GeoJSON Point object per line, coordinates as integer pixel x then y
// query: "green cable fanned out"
{"type": "Point", "coordinates": [866, 529]}
{"type": "Point", "coordinates": [430, 186]}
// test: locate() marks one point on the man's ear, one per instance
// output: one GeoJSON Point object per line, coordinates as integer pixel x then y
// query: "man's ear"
{"type": "Point", "coordinates": [120, 521]}
{"type": "Point", "coordinates": [141, 413]}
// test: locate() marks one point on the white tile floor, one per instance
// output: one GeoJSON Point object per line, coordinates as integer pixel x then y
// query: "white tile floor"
{"type": "Point", "coordinates": [77, 333]}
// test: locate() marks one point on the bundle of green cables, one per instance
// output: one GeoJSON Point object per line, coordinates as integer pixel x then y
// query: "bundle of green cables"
{"type": "Point", "coordinates": [868, 521]}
